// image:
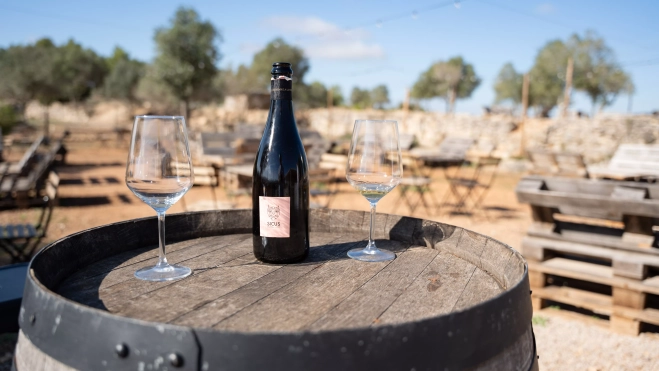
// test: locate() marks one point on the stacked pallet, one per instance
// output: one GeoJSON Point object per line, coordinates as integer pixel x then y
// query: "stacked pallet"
{"type": "Point", "coordinates": [593, 245]}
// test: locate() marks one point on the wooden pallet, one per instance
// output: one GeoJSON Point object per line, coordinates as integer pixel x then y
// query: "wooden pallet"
{"type": "Point", "coordinates": [600, 238]}
{"type": "Point", "coordinates": [625, 306]}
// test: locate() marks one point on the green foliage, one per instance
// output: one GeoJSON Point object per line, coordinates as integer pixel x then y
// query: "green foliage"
{"type": "Point", "coordinates": [77, 71]}
{"type": "Point", "coordinates": [508, 86]}
{"type": "Point", "coordinates": [597, 73]}
{"type": "Point", "coordinates": [448, 80]}
{"type": "Point", "coordinates": [337, 96]}
{"type": "Point", "coordinates": [539, 321]}
{"type": "Point", "coordinates": [186, 57]}
{"type": "Point", "coordinates": [278, 51]}
{"type": "Point", "coordinates": [256, 76]}
{"type": "Point", "coordinates": [360, 98]}
{"type": "Point", "coordinates": [8, 118]}
{"type": "Point", "coordinates": [125, 74]}
{"type": "Point", "coordinates": [547, 77]}
{"type": "Point", "coordinates": [49, 73]}
{"type": "Point", "coordinates": [380, 96]}
{"type": "Point", "coordinates": [312, 96]}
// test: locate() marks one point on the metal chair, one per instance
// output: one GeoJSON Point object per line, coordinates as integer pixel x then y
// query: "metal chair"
{"type": "Point", "coordinates": [418, 183]}
{"type": "Point", "coordinates": [21, 240]}
{"type": "Point", "coordinates": [470, 185]}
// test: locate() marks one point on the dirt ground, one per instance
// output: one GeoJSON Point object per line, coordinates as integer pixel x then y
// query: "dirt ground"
{"type": "Point", "coordinates": [93, 193]}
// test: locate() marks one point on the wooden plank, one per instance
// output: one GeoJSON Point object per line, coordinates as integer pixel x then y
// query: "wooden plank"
{"type": "Point", "coordinates": [366, 304]}
{"type": "Point", "coordinates": [221, 308]}
{"type": "Point", "coordinates": [30, 357]}
{"type": "Point", "coordinates": [283, 311]}
{"type": "Point", "coordinates": [546, 230]}
{"type": "Point", "coordinates": [591, 273]}
{"type": "Point", "coordinates": [481, 287]}
{"type": "Point", "coordinates": [627, 326]}
{"type": "Point", "coordinates": [86, 287]}
{"type": "Point", "coordinates": [130, 258]}
{"type": "Point", "coordinates": [115, 296]}
{"type": "Point", "coordinates": [434, 292]}
{"type": "Point", "coordinates": [628, 298]}
{"type": "Point", "coordinates": [201, 288]}
{"type": "Point", "coordinates": [597, 303]}
{"type": "Point", "coordinates": [625, 264]}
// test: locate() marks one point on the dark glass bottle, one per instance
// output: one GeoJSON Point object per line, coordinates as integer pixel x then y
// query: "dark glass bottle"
{"type": "Point", "coordinates": [280, 188]}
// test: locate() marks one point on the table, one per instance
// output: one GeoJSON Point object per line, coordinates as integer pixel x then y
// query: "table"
{"type": "Point", "coordinates": [452, 299]}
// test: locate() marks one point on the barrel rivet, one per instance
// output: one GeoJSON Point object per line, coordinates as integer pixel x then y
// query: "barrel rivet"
{"type": "Point", "coordinates": [175, 359]}
{"type": "Point", "coordinates": [33, 319]}
{"type": "Point", "coordinates": [121, 350]}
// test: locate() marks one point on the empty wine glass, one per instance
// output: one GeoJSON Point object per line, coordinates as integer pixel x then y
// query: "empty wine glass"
{"type": "Point", "coordinates": [374, 169]}
{"type": "Point", "coordinates": [159, 172]}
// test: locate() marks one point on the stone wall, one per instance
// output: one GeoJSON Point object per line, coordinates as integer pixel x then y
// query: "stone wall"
{"type": "Point", "coordinates": [595, 138]}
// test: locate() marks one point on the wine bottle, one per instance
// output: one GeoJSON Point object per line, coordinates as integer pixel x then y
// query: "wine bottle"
{"type": "Point", "coordinates": [280, 188]}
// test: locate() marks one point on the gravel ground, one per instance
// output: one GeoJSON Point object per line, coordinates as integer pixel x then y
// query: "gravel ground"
{"type": "Point", "coordinates": [566, 343]}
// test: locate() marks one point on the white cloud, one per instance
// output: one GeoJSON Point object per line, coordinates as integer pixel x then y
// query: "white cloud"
{"type": "Point", "coordinates": [321, 39]}
{"type": "Point", "coordinates": [546, 8]}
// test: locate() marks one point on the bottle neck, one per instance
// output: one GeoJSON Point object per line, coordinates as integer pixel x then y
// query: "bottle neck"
{"type": "Point", "coordinates": [281, 88]}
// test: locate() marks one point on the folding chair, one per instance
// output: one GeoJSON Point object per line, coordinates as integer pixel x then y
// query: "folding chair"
{"type": "Point", "coordinates": [20, 240]}
{"type": "Point", "coordinates": [469, 190]}
{"type": "Point", "coordinates": [418, 183]}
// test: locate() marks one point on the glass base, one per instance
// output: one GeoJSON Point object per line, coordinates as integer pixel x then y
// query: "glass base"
{"type": "Point", "coordinates": [163, 273]}
{"type": "Point", "coordinates": [371, 255]}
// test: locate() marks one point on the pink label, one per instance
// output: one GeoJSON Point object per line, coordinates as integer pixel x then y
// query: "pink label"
{"type": "Point", "coordinates": [275, 216]}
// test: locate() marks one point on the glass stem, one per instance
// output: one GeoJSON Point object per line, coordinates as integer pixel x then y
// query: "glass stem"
{"type": "Point", "coordinates": [371, 243]}
{"type": "Point", "coordinates": [162, 260]}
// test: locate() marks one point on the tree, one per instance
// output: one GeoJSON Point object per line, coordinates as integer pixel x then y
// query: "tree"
{"type": "Point", "coordinates": [256, 76]}
{"type": "Point", "coordinates": [48, 73]}
{"type": "Point", "coordinates": [187, 56]}
{"type": "Point", "coordinates": [360, 98]}
{"type": "Point", "coordinates": [597, 73]}
{"type": "Point", "coordinates": [450, 80]}
{"type": "Point", "coordinates": [547, 77]}
{"type": "Point", "coordinates": [508, 85]}
{"type": "Point", "coordinates": [380, 96]}
{"type": "Point", "coordinates": [337, 96]}
{"type": "Point", "coordinates": [125, 74]}
{"type": "Point", "coordinates": [278, 51]}
{"type": "Point", "coordinates": [77, 71]}
{"type": "Point", "coordinates": [312, 96]}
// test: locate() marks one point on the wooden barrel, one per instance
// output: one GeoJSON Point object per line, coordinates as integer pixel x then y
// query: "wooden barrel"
{"type": "Point", "coordinates": [451, 300]}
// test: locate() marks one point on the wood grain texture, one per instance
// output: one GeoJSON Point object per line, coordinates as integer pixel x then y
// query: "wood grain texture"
{"type": "Point", "coordinates": [29, 357]}
{"type": "Point", "coordinates": [439, 269]}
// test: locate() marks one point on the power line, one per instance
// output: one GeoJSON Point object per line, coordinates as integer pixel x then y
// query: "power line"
{"type": "Point", "coordinates": [642, 63]}
{"type": "Point", "coordinates": [562, 24]}
{"type": "Point", "coordinates": [414, 14]}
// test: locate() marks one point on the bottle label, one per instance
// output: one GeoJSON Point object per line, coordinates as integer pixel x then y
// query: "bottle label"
{"type": "Point", "coordinates": [275, 216]}
{"type": "Point", "coordinates": [281, 88]}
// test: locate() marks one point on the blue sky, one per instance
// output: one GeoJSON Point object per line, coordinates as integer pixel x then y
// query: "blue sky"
{"type": "Point", "coordinates": [368, 42]}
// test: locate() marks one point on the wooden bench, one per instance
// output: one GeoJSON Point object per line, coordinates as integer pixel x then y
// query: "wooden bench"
{"type": "Point", "coordinates": [18, 189]}
{"type": "Point", "coordinates": [630, 162]}
{"type": "Point", "coordinates": [20, 240]}
{"type": "Point", "coordinates": [564, 164]}
{"type": "Point", "coordinates": [593, 244]}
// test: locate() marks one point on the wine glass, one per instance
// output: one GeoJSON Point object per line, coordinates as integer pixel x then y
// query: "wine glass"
{"type": "Point", "coordinates": [159, 172]}
{"type": "Point", "coordinates": [374, 169]}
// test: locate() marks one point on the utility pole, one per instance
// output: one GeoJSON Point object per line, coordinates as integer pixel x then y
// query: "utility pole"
{"type": "Point", "coordinates": [330, 104]}
{"type": "Point", "coordinates": [568, 86]}
{"type": "Point", "coordinates": [525, 107]}
{"type": "Point", "coordinates": [406, 107]}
